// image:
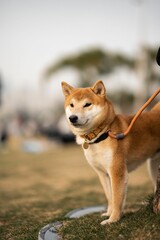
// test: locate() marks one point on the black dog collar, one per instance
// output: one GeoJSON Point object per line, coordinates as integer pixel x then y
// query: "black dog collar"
{"type": "Point", "coordinates": [102, 137]}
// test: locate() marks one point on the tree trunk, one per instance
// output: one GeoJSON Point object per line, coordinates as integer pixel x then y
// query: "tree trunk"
{"type": "Point", "coordinates": [156, 200]}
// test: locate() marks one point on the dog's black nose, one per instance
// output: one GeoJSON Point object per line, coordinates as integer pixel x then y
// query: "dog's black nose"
{"type": "Point", "coordinates": [73, 118]}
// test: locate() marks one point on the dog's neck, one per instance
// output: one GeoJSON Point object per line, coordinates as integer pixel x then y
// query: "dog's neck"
{"type": "Point", "coordinates": [104, 126]}
{"type": "Point", "coordinates": [94, 133]}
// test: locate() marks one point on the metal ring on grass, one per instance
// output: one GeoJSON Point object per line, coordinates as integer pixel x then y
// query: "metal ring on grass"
{"type": "Point", "coordinates": [50, 231]}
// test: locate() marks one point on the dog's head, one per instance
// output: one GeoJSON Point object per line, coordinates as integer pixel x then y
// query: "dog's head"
{"type": "Point", "coordinates": [85, 107]}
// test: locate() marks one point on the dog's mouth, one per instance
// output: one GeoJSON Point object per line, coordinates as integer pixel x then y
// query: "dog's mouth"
{"type": "Point", "coordinates": [80, 125]}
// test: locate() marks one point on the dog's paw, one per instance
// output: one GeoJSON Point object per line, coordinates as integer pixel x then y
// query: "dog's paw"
{"type": "Point", "coordinates": [110, 220]}
{"type": "Point", "coordinates": [107, 214]}
{"type": "Point", "coordinates": [104, 222]}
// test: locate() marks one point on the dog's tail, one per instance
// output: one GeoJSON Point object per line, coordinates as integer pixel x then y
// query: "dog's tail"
{"type": "Point", "coordinates": [156, 107]}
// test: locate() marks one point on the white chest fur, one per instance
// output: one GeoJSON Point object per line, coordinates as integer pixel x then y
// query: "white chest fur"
{"type": "Point", "coordinates": [99, 157]}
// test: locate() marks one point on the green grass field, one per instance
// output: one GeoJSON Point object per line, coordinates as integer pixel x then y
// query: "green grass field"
{"type": "Point", "coordinates": [37, 189]}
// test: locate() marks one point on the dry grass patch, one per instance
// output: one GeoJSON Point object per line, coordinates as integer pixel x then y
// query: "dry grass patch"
{"type": "Point", "coordinates": [36, 189]}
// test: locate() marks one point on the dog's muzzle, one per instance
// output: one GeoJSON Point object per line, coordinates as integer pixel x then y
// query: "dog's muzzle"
{"type": "Point", "coordinates": [73, 119]}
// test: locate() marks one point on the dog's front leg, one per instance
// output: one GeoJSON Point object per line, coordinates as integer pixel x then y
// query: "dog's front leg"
{"type": "Point", "coordinates": [106, 184]}
{"type": "Point", "coordinates": [118, 175]}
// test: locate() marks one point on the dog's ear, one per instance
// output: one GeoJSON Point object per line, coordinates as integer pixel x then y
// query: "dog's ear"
{"type": "Point", "coordinates": [99, 88]}
{"type": "Point", "coordinates": [67, 89]}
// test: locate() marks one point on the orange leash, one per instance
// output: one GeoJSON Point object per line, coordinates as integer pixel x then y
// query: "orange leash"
{"type": "Point", "coordinates": [119, 136]}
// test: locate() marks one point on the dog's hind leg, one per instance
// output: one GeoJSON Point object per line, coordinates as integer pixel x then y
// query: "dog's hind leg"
{"type": "Point", "coordinates": [153, 165]}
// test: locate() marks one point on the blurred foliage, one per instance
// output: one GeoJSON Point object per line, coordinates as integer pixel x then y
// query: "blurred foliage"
{"type": "Point", "coordinates": [151, 52]}
{"type": "Point", "coordinates": [103, 61]}
{"type": "Point", "coordinates": [91, 64]}
{"type": "Point", "coordinates": [94, 61]}
{"type": "Point", "coordinates": [153, 76]}
{"type": "Point", "coordinates": [124, 100]}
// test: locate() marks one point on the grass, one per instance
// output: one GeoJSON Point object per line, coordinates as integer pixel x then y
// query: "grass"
{"type": "Point", "coordinates": [142, 224]}
{"type": "Point", "coordinates": [39, 189]}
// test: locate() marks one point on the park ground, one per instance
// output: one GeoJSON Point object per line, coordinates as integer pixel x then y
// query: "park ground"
{"type": "Point", "coordinates": [37, 189]}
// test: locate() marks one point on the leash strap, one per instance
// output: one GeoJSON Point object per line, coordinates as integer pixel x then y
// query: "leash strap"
{"type": "Point", "coordinates": [120, 136]}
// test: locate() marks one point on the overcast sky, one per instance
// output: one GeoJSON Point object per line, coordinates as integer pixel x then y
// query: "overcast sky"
{"type": "Point", "coordinates": [34, 33]}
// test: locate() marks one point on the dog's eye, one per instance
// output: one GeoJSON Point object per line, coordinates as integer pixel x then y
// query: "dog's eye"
{"type": "Point", "coordinates": [87, 105]}
{"type": "Point", "coordinates": [71, 105]}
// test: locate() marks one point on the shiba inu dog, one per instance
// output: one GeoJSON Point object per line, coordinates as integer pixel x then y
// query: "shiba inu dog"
{"type": "Point", "coordinates": [91, 116]}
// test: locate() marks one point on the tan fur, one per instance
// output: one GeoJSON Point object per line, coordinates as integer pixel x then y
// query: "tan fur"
{"type": "Point", "coordinates": [113, 159]}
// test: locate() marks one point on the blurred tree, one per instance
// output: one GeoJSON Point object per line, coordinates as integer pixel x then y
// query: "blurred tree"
{"type": "Point", "coordinates": [153, 76]}
{"type": "Point", "coordinates": [95, 62]}
{"type": "Point", "coordinates": [148, 75]}
{"type": "Point", "coordinates": [90, 64]}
